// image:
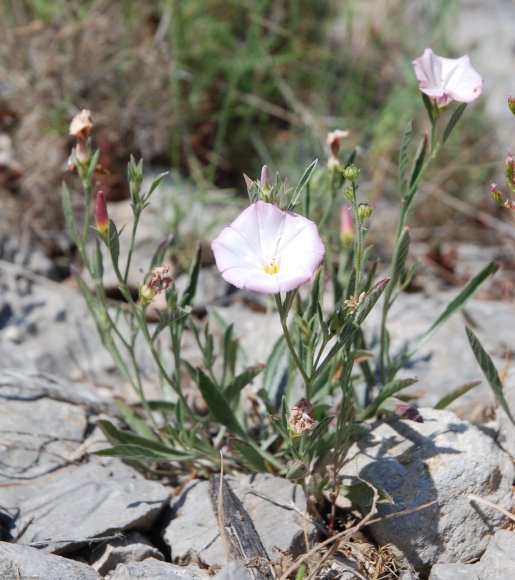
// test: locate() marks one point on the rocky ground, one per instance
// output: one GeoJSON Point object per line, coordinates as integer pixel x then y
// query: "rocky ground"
{"type": "Point", "coordinates": [67, 513]}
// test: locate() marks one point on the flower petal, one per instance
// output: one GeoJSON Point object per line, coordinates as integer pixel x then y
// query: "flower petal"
{"type": "Point", "coordinates": [264, 233]}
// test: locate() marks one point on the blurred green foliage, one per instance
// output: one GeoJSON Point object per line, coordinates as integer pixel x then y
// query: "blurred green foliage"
{"type": "Point", "coordinates": [217, 88]}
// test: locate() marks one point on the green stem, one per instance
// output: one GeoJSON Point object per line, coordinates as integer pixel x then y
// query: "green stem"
{"type": "Point", "coordinates": [287, 336]}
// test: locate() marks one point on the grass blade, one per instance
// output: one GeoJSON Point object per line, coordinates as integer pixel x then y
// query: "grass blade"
{"type": "Point", "coordinates": [456, 394]}
{"type": "Point", "coordinates": [306, 176]}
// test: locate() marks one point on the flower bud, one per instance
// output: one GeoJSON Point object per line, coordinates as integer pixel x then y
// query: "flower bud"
{"type": "Point", "coordinates": [265, 179]}
{"type": "Point", "coordinates": [333, 164]}
{"type": "Point", "coordinates": [101, 215]}
{"type": "Point", "coordinates": [510, 171]}
{"type": "Point", "coordinates": [346, 226]}
{"type": "Point", "coordinates": [351, 172]}
{"type": "Point", "coordinates": [511, 104]}
{"type": "Point", "coordinates": [364, 212]}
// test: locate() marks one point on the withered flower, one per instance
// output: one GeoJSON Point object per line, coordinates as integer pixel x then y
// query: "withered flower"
{"type": "Point", "coordinates": [301, 417]}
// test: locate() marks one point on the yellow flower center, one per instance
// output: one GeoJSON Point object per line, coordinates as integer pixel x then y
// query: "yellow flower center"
{"type": "Point", "coordinates": [272, 267]}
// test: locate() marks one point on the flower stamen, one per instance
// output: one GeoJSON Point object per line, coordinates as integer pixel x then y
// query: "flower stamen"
{"type": "Point", "coordinates": [272, 267]}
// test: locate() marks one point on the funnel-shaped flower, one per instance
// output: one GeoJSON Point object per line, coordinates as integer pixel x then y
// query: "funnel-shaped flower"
{"type": "Point", "coordinates": [447, 79]}
{"type": "Point", "coordinates": [268, 250]}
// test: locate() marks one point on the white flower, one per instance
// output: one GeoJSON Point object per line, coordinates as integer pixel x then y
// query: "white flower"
{"type": "Point", "coordinates": [447, 79]}
{"type": "Point", "coordinates": [268, 250]}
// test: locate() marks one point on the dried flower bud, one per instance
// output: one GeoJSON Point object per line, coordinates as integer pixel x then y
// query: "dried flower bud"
{"type": "Point", "coordinates": [301, 418]}
{"type": "Point", "coordinates": [334, 138]}
{"type": "Point", "coordinates": [511, 103]}
{"type": "Point", "coordinates": [351, 172]}
{"type": "Point", "coordinates": [346, 226]}
{"type": "Point", "coordinates": [364, 212]}
{"type": "Point", "coordinates": [101, 215]}
{"type": "Point", "coordinates": [406, 411]}
{"type": "Point", "coordinates": [81, 125]}
{"type": "Point", "coordinates": [158, 281]}
{"type": "Point", "coordinates": [352, 303]}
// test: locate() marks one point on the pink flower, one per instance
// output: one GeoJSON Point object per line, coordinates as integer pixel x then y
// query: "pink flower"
{"type": "Point", "coordinates": [268, 250]}
{"type": "Point", "coordinates": [447, 79]}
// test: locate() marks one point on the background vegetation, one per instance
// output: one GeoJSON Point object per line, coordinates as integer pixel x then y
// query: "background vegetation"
{"type": "Point", "coordinates": [217, 88]}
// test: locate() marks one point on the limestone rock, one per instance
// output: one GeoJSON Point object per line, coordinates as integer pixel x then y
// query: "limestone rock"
{"type": "Point", "coordinates": [497, 563]}
{"type": "Point", "coordinates": [24, 562]}
{"type": "Point", "coordinates": [74, 505]}
{"type": "Point", "coordinates": [193, 531]}
{"type": "Point", "coordinates": [441, 461]}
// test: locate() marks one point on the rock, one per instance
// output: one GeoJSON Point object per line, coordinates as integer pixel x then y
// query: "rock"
{"type": "Point", "coordinates": [156, 570]}
{"type": "Point", "coordinates": [76, 504]}
{"type": "Point", "coordinates": [134, 547]}
{"type": "Point", "coordinates": [23, 562]}
{"type": "Point", "coordinates": [442, 460]}
{"type": "Point", "coordinates": [233, 571]}
{"type": "Point", "coordinates": [193, 531]}
{"type": "Point", "coordinates": [42, 422]}
{"type": "Point", "coordinates": [497, 563]}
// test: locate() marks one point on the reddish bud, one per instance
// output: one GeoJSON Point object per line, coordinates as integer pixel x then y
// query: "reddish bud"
{"type": "Point", "coordinates": [346, 226]}
{"type": "Point", "coordinates": [101, 215]}
{"type": "Point", "coordinates": [265, 179]}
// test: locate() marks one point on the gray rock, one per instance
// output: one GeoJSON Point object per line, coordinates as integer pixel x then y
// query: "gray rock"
{"type": "Point", "coordinates": [233, 571]}
{"type": "Point", "coordinates": [42, 422]}
{"type": "Point", "coordinates": [193, 532]}
{"type": "Point", "coordinates": [156, 570]}
{"type": "Point", "coordinates": [442, 460]}
{"type": "Point", "coordinates": [134, 547]}
{"type": "Point", "coordinates": [17, 562]}
{"type": "Point", "coordinates": [76, 504]}
{"type": "Point", "coordinates": [497, 563]}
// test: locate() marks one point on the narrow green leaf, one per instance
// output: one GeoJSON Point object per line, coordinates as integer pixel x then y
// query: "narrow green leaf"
{"type": "Point", "coordinates": [403, 154]}
{"type": "Point", "coordinates": [234, 388]}
{"type": "Point", "coordinates": [362, 494]}
{"type": "Point", "coordinates": [276, 370]}
{"type": "Point", "coordinates": [68, 213]}
{"type": "Point", "coordinates": [428, 104]}
{"type": "Point", "coordinates": [489, 370]}
{"type": "Point", "coordinates": [456, 394]}
{"type": "Point", "coordinates": [250, 455]}
{"type": "Point", "coordinates": [163, 406]}
{"type": "Point", "coordinates": [387, 391]}
{"type": "Point", "coordinates": [162, 248]}
{"type": "Point", "coordinates": [191, 289]}
{"type": "Point", "coordinates": [370, 300]}
{"type": "Point", "coordinates": [467, 292]}
{"type": "Point", "coordinates": [417, 165]}
{"type": "Point", "coordinates": [452, 121]}
{"type": "Point", "coordinates": [401, 255]}
{"type": "Point", "coordinates": [141, 453]}
{"type": "Point", "coordinates": [113, 243]}
{"type": "Point", "coordinates": [155, 184]}
{"type": "Point", "coordinates": [135, 422]}
{"type": "Point", "coordinates": [306, 176]}
{"type": "Point", "coordinates": [92, 165]}
{"type": "Point", "coordinates": [218, 405]}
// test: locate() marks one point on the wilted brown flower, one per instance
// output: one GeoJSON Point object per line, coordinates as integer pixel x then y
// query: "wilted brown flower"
{"type": "Point", "coordinates": [301, 417]}
{"type": "Point", "coordinates": [334, 138]}
{"type": "Point", "coordinates": [158, 281]}
{"type": "Point", "coordinates": [81, 125]}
